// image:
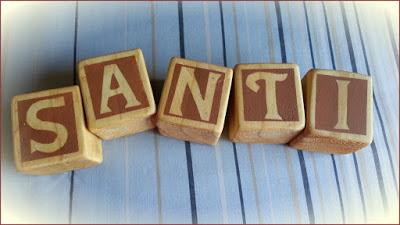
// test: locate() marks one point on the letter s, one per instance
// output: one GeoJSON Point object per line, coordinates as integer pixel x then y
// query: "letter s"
{"type": "Point", "coordinates": [36, 123]}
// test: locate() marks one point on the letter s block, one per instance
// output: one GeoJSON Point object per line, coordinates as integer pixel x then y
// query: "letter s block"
{"type": "Point", "coordinates": [338, 112]}
{"type": "Point", "coordinates": [117, 95]}
{"type": "Point", "coordinates": [267, 105]}
{"type": "Point", "coordinates": [194, 101]}
{"type": "Point", "coordinates": [49, 132]}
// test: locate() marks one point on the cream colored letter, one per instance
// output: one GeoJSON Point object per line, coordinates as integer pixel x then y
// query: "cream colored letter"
{"type": "Point", "coordinates": [270, 90]}
{"type": "Point", "coordinates": [37, 124]}
{"type": "Point", "coordinates": [124, 88]}
{"type": "Point", "coordinates": [342, 104]}
{"type": "Point", "coordinates": [204, 105]}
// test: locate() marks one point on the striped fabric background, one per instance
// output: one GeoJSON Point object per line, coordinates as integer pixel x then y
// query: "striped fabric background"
{"type": "Point", "coordinates": [148, 178]}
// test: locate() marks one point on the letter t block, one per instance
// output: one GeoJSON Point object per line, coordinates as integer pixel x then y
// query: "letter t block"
{"type": "Point", "coordinates": [267, 105]}
{"type": "Point", "coordinates": [49, 132]}
{"type": "Point", "coordinates": [117, 94]}
{"type": "Point", "coordinates": [338, 112]}
{"type": "Point", "coordinates": [194, 101]}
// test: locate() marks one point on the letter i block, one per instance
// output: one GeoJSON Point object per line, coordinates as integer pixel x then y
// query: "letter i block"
{"type": "Point", "coordinates": [338, 112]}
{"type": "Point", "coordinates": [49, 132]}
{"type": "Point", "coordinates": [267, 105]}
{"type": "Point", "coordinates": [117, 94]}
{"type": "Point", "coordinates": [194, 101]}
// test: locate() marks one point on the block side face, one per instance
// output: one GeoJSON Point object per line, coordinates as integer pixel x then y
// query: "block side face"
{"type": "Point", "coordinates": [78, 163]}
{"type": "Point", "coordinates": [257, 111]}
{"type": "Point", "coordinates": [309, 142]}
{"type": "Point", "coordinates": [195, 94]}
{"type": "Point", "coordinates": [265, 136]}
{"type": "Point", "coordinates": [187, 133]}
{"type": "Point", "coordinates": [125, 129]}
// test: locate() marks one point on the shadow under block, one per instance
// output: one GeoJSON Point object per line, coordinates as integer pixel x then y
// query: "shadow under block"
{"type": "Point", "coordinates": [338, 112]}
{"type": "Point", "coordinates": [267, 104]}
{"type": "Point", "coordinates": [117, 95]}
{"type": "Point", "coordinates": [49, 132]}
{"type": "Point", "coordinates": [194, 101]}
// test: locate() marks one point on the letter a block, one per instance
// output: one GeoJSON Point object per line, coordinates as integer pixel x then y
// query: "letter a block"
{"type": "Point", "coordinates": [49, 132]}
{"type": "Point", "coordinates": [194, 101]}
{"type": "Point", "coordinates": [338, 112]}
{"type": "Point", "coordinates": [117, 94]}
{"type": "Point", "coordinates": [267, 105]}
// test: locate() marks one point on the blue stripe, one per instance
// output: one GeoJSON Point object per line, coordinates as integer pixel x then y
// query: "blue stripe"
{"type": "Point", "coordinates": [191, 182]}
{"type": "Point", "coordinates": [304, 175]}
{"type": "Point", "coordinates": [300, 153]}
{"type": "Point", "coordinates": [187, 144]}
{"type": "Point", "coordinates": [181, 31]}
{"type": "Point", "coordinates": [354, 68]}
{"type": "Point", "coordinates": [309, 35]}
{"type": "Point", "coordinates": [339, 190]}
{"type": "Point", "coordinates": [280, 30]}
{"type": "Point", "coordinates": [71, 195]}
{"type": "Point", "coordinates": [233, 144]}
{"type": "Point", "coordinates": [71, 186]}
{"type": "Point", "coordinates": [380, 179]}
{"type": "Point", "coordinates": [221, 13]}
{"type": "Point", "coordinates": [239, 184]}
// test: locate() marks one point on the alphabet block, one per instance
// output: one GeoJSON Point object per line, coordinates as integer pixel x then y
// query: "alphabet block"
{"type": "Point", "coordinates": [117, 95]}
{"type": "Point", "coordinates": [338, 112]}
{"type": "Point", "coordinates": [49, 132]}
{"type": "Point", "coordinates": [194, 101]}
{"type": "Point", "coordinates": [267, 105]}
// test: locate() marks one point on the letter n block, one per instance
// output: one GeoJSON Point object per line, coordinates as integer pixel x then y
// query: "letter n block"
{"type": "Point", "coordinates": [194, 101]}
{"type": "Point", "coordinates": [338, 112]}
{"type": "Point", "coordinates": [267, 105]}
{"type": "Point", "coordinates": [117, 94]}
{"type": "Point", "coordinates": [49, 132]}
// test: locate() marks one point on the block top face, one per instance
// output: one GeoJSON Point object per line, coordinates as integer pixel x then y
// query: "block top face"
{"type": "Point", "coordinates": [269, 95]}
{"type": "Point", "coordinates": [195, 94]}
{"type": "Point", "coordinates": [116, 86]}
{"type": "Point", "coordinates": [47, 124]}
{"type": "Point", "coordinates": [341, 104]}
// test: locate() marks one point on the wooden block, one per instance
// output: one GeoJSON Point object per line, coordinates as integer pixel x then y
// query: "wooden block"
{"type": "Point", "coordinates": [49, 132]}
{"type": "Point", "coordinates": [338, 112]}
{"type": "Point", "coordinates": [117, 95]}
{"type": "Point", "coordinates": [194, 101]}
{"type": "Point", "coordinates": [267, 105]}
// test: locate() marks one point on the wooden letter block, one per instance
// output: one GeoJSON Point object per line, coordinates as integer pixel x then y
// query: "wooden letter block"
{"type": "Point", "coordinates": [338, 112]}
{"type": "Point", "coordinates": [194, 101]}
{"type": "Point", "coordinates": [267, 105]}
{"type": "Point", "coordinates": [117, 94]}
{"type": "Point", "coordinates": [49, 132]}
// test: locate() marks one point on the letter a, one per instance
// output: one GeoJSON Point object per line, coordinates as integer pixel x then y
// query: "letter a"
{"type": "Point", "coordinates": [124, 88]}
{"type": "Point", "coordinates": [38, 124]}
{"type": "Point", "coordinates": [342, 104]}
{"type": "Point", "coordinates": [270, 90]}
{"type": "Point", "coordinates": [204, 105]}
